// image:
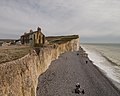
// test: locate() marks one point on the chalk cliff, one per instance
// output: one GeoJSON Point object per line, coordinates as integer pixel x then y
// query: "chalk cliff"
{"type": "Point", "coordinates": [20, 77]}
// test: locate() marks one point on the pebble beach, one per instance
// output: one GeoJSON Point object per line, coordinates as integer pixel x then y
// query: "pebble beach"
{"type": "Point", "coordinates": [71, 68]}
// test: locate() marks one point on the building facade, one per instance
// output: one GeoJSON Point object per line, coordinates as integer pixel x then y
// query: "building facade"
{"type": "Point", "coordinates": [33, 38]}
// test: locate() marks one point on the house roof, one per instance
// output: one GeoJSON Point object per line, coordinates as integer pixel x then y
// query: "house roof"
{"type": "Point", "coordinates": [32, 33]}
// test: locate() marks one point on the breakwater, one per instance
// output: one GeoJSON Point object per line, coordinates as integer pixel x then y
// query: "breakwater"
{"type": "Point", "coordinates": [20, 77]}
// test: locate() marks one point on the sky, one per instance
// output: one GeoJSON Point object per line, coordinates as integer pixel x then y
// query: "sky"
{"type": "Point", "coordinates": [95, 21]}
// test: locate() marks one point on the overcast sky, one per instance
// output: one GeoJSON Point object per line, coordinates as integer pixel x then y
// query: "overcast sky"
{"type": "Point", "coordinates": [92, 20]}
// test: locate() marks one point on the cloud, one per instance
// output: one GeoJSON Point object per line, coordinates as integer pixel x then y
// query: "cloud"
{"type": "Point", "coordinates": [91, 19]}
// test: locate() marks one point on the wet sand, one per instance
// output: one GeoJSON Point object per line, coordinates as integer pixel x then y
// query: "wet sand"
{"type": "Point", "coordinates": [69, 69]}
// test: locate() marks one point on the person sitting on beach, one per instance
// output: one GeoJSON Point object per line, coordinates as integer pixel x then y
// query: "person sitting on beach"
{"type": "Point", "coordinates": [78, 90]}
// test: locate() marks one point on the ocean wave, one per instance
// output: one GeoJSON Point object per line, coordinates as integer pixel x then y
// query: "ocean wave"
{"type": "Point", "coordinates": [108, 59]}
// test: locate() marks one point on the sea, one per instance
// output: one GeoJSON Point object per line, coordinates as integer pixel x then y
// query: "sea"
{"type": "Point", "coordinates": [107, 58]}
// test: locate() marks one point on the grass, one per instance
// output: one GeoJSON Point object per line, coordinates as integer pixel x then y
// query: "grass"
{"type": "Point", "coordinates": [12, 53]}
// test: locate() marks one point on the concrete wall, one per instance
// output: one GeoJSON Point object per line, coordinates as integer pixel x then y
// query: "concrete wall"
{"type": "Point", "coordinates": [20, 77]}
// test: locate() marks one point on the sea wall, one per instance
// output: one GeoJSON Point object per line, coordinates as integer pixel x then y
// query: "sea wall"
{"type": "Point", "coordinates": [20, 77]}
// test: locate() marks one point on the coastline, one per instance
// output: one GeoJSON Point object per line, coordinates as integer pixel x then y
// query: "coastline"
{"type": "Point", "coordinates": [108, 79]}
{"type": "Point", "coordinates": [102, 73]}
{"type": "Point", "coordinates": [108, 67]}
{"type": "Point", "coordinates": [62, 75]}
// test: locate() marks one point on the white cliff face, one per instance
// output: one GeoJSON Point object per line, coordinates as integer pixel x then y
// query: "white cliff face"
{"type": "Point", "coordinates": [20, 77]}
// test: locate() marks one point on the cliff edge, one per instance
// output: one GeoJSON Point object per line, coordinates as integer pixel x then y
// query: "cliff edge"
{"type": "Point", "coordinates": [20, 77]}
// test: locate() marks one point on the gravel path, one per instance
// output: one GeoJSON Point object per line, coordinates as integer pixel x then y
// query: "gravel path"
{"type": "Point", "coordinates": [67, 70]}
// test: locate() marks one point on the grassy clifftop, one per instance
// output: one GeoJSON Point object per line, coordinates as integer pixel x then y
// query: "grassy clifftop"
{"type": "Point", "coordinates": [10, 53]}
{"type": "Point", "coordinates": [61, 39]}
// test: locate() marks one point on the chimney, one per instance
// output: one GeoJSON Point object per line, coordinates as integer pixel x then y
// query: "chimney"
{"type": "Point", "coordinates": [25, 33]}
{"type": "Point", "coordinates": [39, 29]}
{"type": "Point", "coordinates": [31, 31]}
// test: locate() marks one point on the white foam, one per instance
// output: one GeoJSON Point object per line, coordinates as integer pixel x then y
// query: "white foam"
{"type": "Point", "coordinates": [110, 70]}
